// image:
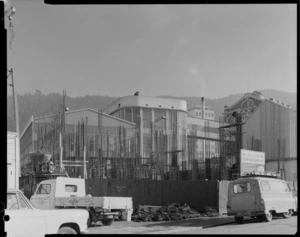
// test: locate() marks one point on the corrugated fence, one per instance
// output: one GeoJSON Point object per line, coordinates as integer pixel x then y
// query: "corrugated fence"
{"type": "Point", "coordinates": [198, 194]}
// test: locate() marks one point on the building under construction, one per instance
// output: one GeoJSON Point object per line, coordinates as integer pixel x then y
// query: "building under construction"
{"type": "Point", "coordinates": [133, 138]}
{"type": "Point", "coordinates": [139, 137]}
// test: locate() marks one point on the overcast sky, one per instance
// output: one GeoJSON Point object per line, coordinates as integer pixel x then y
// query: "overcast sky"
{"type": "Point", "coordinates": [178, 50]}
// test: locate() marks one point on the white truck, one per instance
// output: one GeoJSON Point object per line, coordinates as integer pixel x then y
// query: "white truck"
{"type": "Point", "coordinates": [25, 220]}
{"type": "Point", "coordinates": [65, 192]}
{"type": "Point", "coordinates": [260, 196]}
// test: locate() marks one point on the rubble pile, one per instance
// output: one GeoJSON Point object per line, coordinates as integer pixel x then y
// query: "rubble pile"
{"type": "Point", "coordinates": [210, 212]}
{"type": "Point", "coordinates": [165, 213]}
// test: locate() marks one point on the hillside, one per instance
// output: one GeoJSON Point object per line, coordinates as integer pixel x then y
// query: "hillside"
{"type": "Point", "coordinates": [218, 104]}
{"type": "Point", "coordinates": [38, 104]}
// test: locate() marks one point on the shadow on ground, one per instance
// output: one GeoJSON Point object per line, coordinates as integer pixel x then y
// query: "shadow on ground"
{"type": "Point", "coordinates": [191, 222]}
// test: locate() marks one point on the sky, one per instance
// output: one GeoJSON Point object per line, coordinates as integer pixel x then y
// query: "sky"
{"type": "Point", "coordinates": [177, 50]}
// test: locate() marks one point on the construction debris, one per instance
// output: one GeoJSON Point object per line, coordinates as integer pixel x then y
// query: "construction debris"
{"type": "Point", "coordinates": [210, 212]}
{"type": "Point", "coordinates": [170, 212]}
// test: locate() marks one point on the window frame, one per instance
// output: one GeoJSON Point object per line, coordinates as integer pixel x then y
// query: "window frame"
{"type": "Point", "coordinates": [73, 185]}
{"type": "Point", "coordinates": [44, 189]}
{"type": "Point", "coordinates": [262, 187]}
{"type": "Point", "coordinates": [246, 182]}
{"type": "Point", "coordinates": [14, 194]}
{"type": "Point", "coordinates": [25, 201]}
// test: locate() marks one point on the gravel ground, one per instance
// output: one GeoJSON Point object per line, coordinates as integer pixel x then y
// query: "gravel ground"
{"type": "Point", "coordinates": [165, 227]}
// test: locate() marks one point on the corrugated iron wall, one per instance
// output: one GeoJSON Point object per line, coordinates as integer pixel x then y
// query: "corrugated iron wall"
{"type": "Point", "coordinates": [272, 129]}
{"type": "Point", "coordinates": [198, 194]}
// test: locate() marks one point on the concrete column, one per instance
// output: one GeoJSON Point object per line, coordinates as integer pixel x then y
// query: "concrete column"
{"type": "Point", "coordinates": [152, 129]}
{"type": "Point", "coordinates": [167, 133]}
{"type": "Point", "coordinates": [179, 154]}
{"type": "Point", "coordinates": [141, 133]}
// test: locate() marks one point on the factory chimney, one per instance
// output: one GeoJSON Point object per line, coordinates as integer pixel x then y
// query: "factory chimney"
{"type": "Point", "coordinates": [203, 107]}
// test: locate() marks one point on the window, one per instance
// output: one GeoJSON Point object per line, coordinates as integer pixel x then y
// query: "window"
{"type": "Point", "coordinates": [265, 186]}
{"type": "Point", "coordinates": [71, 188]}
{"type": "Point", "coordinates": [242, 188]}
{"type": "Point", "coordinates": [22, 202]}
{"type": "Point", "coordinates": [44, 189]}
{"type": "Point", "coordinates": [279, 187]}
{"type": "Point", "coordinates": [12, 202]}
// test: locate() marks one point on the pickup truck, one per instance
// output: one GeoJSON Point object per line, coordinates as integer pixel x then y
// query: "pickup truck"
{"type": "Point", "coordinates": [25, 220]}
{"type": "Point", "coordinates": [65, 192]}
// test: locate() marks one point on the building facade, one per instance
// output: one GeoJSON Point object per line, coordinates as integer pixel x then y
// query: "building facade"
{"type": "Point", "coordinates": [198, 112]}
{"type": "Point", "coordinates": [137, 137]}
{"type": "Point", "coordinates": [269, 126]}
{"type": "Point", "coordinates": [79, 133]}
{"type": "Point", "coordinates": [169, 133]}
{"type": "Point", "coordinates": [161, 124]}
{"type": "Point", "coordinates": [13, 160]}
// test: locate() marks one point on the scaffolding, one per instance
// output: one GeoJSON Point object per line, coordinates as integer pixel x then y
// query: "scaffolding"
{"type": "Point", "coordinates": [230, 146]}
{"type": "Point", "coordinates": [106, 151]}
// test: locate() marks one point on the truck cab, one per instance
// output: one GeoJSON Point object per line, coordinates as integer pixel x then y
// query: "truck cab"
{"type": "Point", "coordinates": [46, 191]}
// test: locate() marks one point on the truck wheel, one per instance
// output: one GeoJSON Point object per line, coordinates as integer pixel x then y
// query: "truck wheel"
{"type": "Point", "coordinates": [239, 219]}
{"type": "Point", "coordinates": [107, 221]}
{"type": "Point", "coordinates": [89, 221]}
{"type": "Point", "coordinates": [286, 214]}
{"type": "Point", "coordinates": [66, 230]}
{"type": "Point", "coordinates": [268, 217]}
{"type": "Point", "coordinates": [261, 217]}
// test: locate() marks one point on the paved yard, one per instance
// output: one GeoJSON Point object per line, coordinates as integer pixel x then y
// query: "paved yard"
{"type": "Point", "coordinates": [123, 227]}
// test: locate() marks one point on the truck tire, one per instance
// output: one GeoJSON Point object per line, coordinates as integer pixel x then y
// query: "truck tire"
{"type": "Point", "coordinates": [286, 214]}
{"type": "Point", "coordinates": [239, 219]}
{"type": "Point", "coordinates": [268, 217]}
{"type": "Point", "coordinates": [261, 217]}
{"type": "Point", "coordinates": [107, 221]}
{"type": "Point", "coordinates": [66, 230]}
{"type": "Point", "coordinates": [89, 221]}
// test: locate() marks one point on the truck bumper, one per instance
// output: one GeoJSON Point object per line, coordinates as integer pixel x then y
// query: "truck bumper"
{"type": "Point", "coordinates": [246, 213]}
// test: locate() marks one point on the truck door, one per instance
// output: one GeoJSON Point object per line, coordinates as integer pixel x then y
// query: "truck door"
{"type": "Point", "coordinates": [42, 197]}
{"type": "Point", "coordinates": [24, 221]}
{"type": "Point", "coordinates": [242, 196]}
{"type": "Point", "coordinates": [257, 194]}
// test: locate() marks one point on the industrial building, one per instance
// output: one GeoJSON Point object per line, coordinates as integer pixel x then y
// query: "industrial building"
{"type": "Point", "coordinates": [138, 137]}
{"type": "Point", "coordinates": [79, 131]}
{"type": "Point", "coordinates": [141, 137]}
{"type": "Point", "coordinates": [269, 126]}
{"type": "Point", "coordinates": [161, 124]}
{"type": "Point", "coordinates": [172, 135]}
{"type": "Point", "coordinates": [197, 111]}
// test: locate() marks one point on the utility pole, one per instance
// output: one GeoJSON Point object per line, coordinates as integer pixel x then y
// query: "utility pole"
{"type": "Point", "coordinates": [15, 101]}
{"type": "Point", "coordinates": [3, 71]}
